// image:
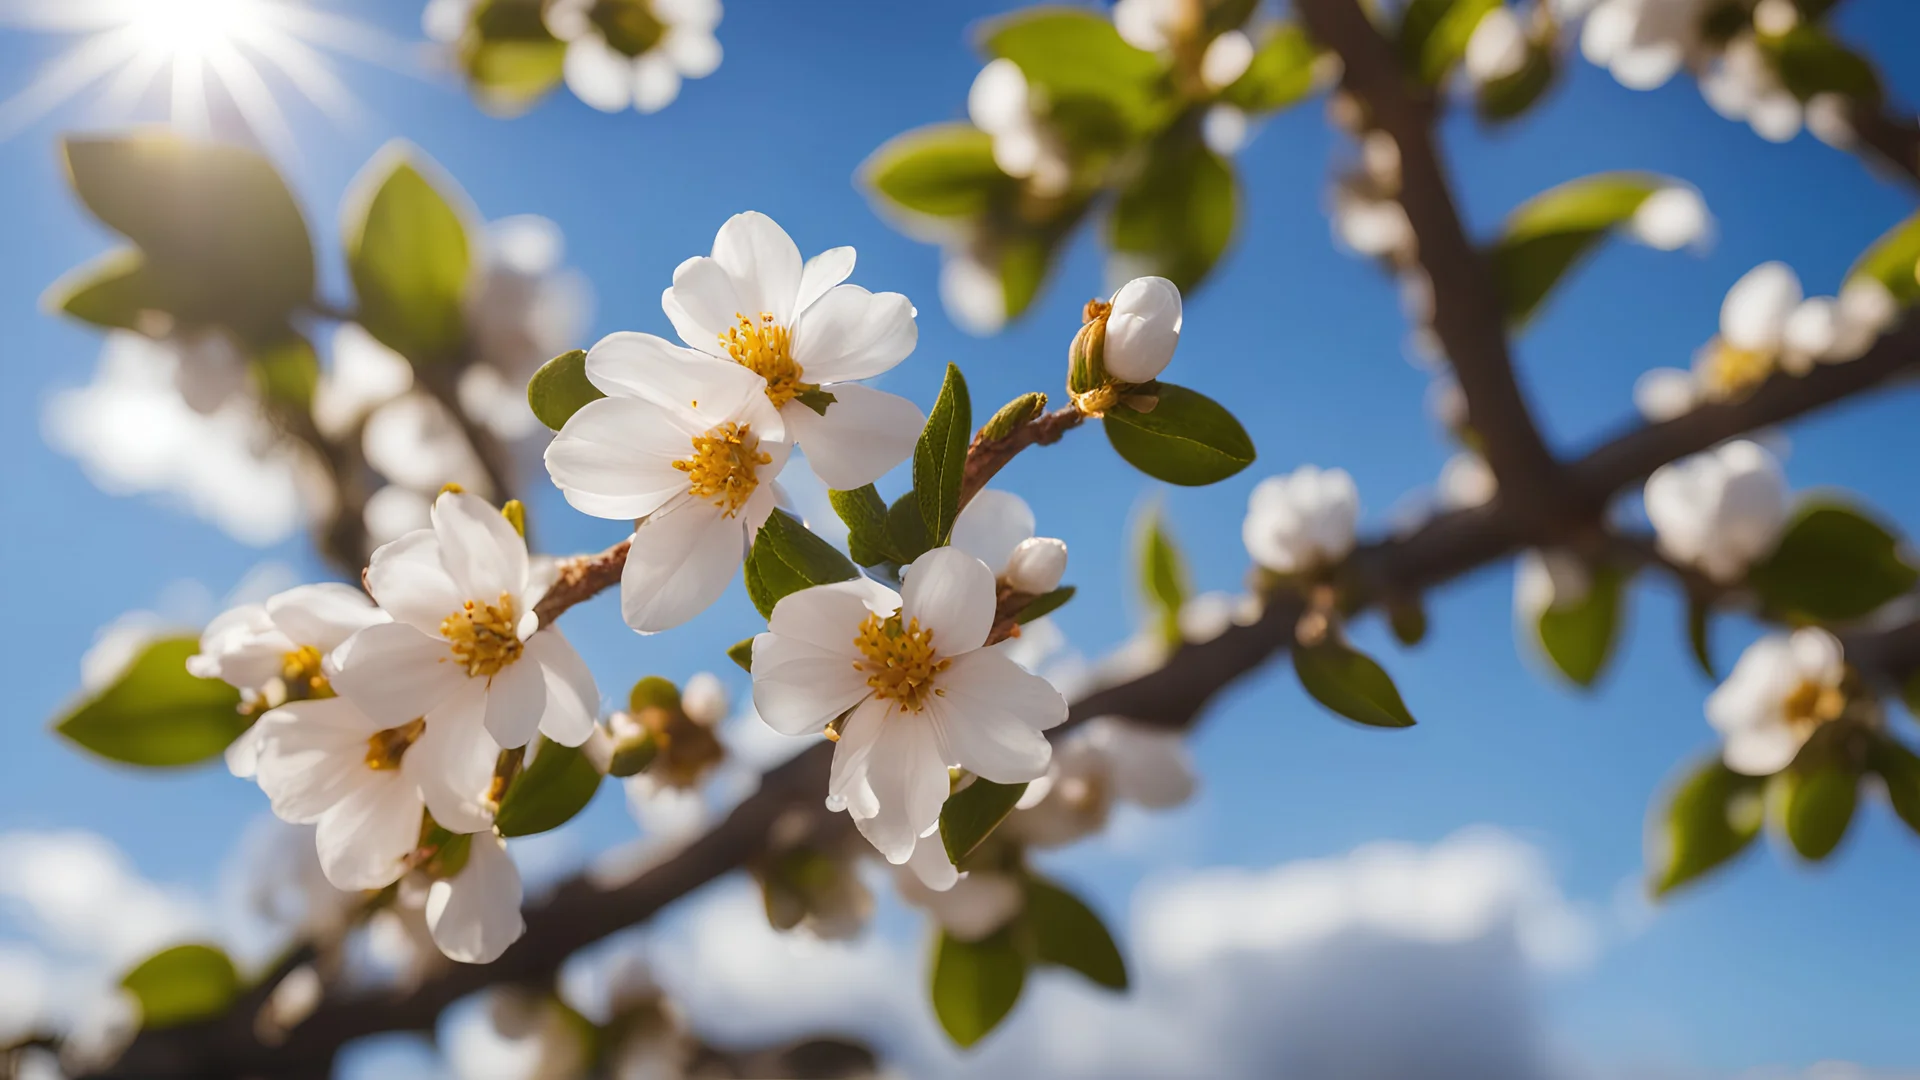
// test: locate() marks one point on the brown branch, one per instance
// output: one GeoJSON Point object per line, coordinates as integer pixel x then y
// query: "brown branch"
{"type": "Point", "coordinates": [1469, 313]}
{"type": "Point", "coordinates": [986, 457]}
{"type": "Point", "coordinates": [1893, 141]}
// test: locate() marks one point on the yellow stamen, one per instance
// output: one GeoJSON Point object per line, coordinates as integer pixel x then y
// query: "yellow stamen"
{"type": "Point", "coordinates": [725, 466]}
{"type": "Point", "coordinates": [300, 670]}
{"type": "Point", "coordinates": [766, 349]}
{"type": "Point", "coordinates": [1812, 704]}
{"type": "Point", "coordinates": [900, 660]}
{"type": "Point", "coordinates": [385, 748]}
{"type": "Point", "coordinates": [1730, 372]}
{"type": "Point", "coordinates": [485, 637]}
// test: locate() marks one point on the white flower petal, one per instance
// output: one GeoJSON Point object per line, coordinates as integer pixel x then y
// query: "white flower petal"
{"type": "Point", "coordinates": [484, 554]}
{"type": "Point", "coordinates": [951, 594]}
{"type": "Point", "coordinates": [931, 866]}
{"type": "Point", "coordinates": [695, 52]}
{"type": "Point", "coordinates": [598, 74]}
{"type": "Point", "coordinates": [829, 616]}
{"type": "Point", "coordinates": [475, 915]}
{"type": "Point", "coordinates": [680, 562]}
{"type": "Point", "coordinates": [365, 839]}
{"type": "Point", "coordinates": [909, 782]}
{"type": "Point", "coordinates": [1037, 565]}
{"type": "Point", "coordinates": [997, 100]}
{"type": "Point", "coordinates": [453, 760]}
{"type": "Point", "coordinates": [850, 333]}
{"type": "Point", "coordinates": [395, 673]}
{"type": "Point", "coordinates": [573, 698]}
{"type": "Point", "coordinates": [408, 579]}
{"type": "Point", "coordinates": [847, 780]}
{"type": "Point", "coordinates": [991, 715]}
{"type": "Point", "coordinates": [1756, 309]}
{"type": "Point", "coordinates": [614, 458]}
{"type": "Point", "coordinates": [799, 687]}
{"type": "Point", "coordinates": [822, 273]}
{"type": "Point", "coordinates": [991, 525]}
{"type": "Point", "coordinates": [1761, 751]}
{"type": "Point", "coordinates": [310, 755]}
{"type": "Point", "coordinates": [516, 699]}
{"type": "Point", "coordinates": [763, 262]}
{"type": "Point", "coordinates": [1672, 218]}
{"type": "Point", "coordinates": [1143, 329]}
{"type": "Point", "coordinates": [1227, 58]}
{"type": "Point", "coordinates": [1663, 394]}
{"type": "Point", "coordinates": [656, 82]}
{"type": "Point", "coordinates": [863, 434]}
{"type": "Point", "coordinates": [703, 305]}
{"type": "Point", "coordinates": [323, 615]}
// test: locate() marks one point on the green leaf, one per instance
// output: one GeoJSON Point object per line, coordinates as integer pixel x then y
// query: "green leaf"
{"type": "Point", "coordinates": [908, 532]}
{"type": "Point", "coordinates": [972, 813]}
{"type": "Point", "coordinates": [1816, 807]}
{"type": "Point", "coordinates": [1187, 438]}
{"type": "Point", "coordinates": [182, 984]}
{"type": "Point", "coordinates": [1549, 234]}
{"type": "Point", "coordinates": [940, 458]}
{"type": "Point", "coordinates": [1408, 621]}
{"type": "Point", "coordinates": [1163, 576]}
{"type": "Point", "coordinates": [1892, 260]}
{"type": "Point", "coordinates": [1176, 217]}
{"type": "Point", "coordinates": [975, 983]}
{"type": "Point", "coordinates": [865, 515]}
{"type": "Point", "coordinates": [156, 714]}
{"type": "Point", "coordinates": [942, 170]}
{"type": "Point", "coordinates": [1434, 34]}
{"type": "Point", "coordinates": [560, 388]}
{"type": "Point", "coordinates": [1044, 605]}
{"type": "Point", "coordinates": [786, 558]}
{"type": "Point", "coordinates": [1809, 62]}
{"type": "Point", "coordinates": [1349, 683]}
{"type": "Point", "coordinates": [1067, 933]}
{"type": "Point", "coordinates": [1510, 96]}
{"type": "Point", "coordinates": [1713, 815]}
{"type": "Point", "coordinates": [1900, 769]}
{"type": "Point", "coordinates": [216, 223]}
{"type": "Point", "coordinates": [118, 290]}
{"type": "Point", "coordinates": [741, 652]}
{"type": "Point", "coordinates": [1699, 631]}
{"type": "Point", "coordinates": [408, 253]}
{"type": "Point", "coordinates": [1280, 75]}
{"type": "Point", "coordinates": [1833, 563]}
{"type": "Point", "coordinates": [1077, 58]}
{"type": "Point", "coordinates": [1578, 638]}
{"type": "Point", "coordinates": [557, 784]}
{"type": "Point", "coordinates": [288, 371]}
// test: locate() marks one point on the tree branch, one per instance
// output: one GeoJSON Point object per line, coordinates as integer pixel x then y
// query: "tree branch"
{"type": "Point", "coordinates": [1894, 141]}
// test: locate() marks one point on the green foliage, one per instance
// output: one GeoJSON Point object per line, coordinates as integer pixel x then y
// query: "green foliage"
{"type": "Point", "coordinates": [741, 653]}
{"type": "Point", "coordinates": [511, 59]}
{"type": "Point", "coordinates": [907, 530]}
{"type": "Point", "coordinates": [1512, 95]}
{"type": "Point", "coordinates": [1833, 563]}
{"type": "Point", "coordinates": [942, 170]}
{"type": "Point", "coordinates": [786, 558]}
{"type": "Point", "coordinates": [408, 254]}
{"type": "Point", "coordinates": [1815, 808]}
{"type": "Point", "coordinates": [972, 813]}
{"type": "Point", "coordinates": [1434, 33]}
{"type": "Point", "coordinates": [1163, 577]}
{"type": "Point", "coordinates": [1408, 621]}
{"type": "Point", "coordinates": [1713, 815]}
{"type": "Point", "coordinates": [1067, 933]}
{"type": "Point", "coordinates": [975, 983]}
{"type": "Point", "coordinates": [557, 784]}
{"type": "Point", "coordinates": [865, 515]}
{"type": "Point", "coordinates": [1187, 438]}
{"type": "Point", "coordinates": [940, 458]}
{"type": "Point", "coordinates": [1044, 605]}
{"type": "Point", "coordinates": [287, 371]}
{"type": "Point", "coordinates": [1349, 683]}
{"type": "Point", "coordinates": [1900, 769]}
{"type": "Point", "coordinates": [1082, 65]}
{"type": "Point", "coordinates": [1012, 415]}
{"type": "Point", "coordinates": [1809, 62]}
{"type": "Point", "coordinates": [560, 388]}
{"type": "Point", "coordinates": [653, 692]}
{"type": "Point", "coordinates": [220, 238]}
{"type": "Point", "coordinates": [1280, 75]}
{"type": "Point", "coordinates": [1579, 637]}
{"type": "Point", "coordinates": [118, 291]}
{"type": "Point", "coordinates": [1177, 215]}
{"type": "Point", "coordinates": [1892, 261]}
{"type": "Point", "coordinates": [182, 984]}
{"type": "Point", "coordinates": [1699, 631]}
{"type": "Point", "coordinates": [1549, 234]}
{"type": "Point", "coordinates": [156, 714]}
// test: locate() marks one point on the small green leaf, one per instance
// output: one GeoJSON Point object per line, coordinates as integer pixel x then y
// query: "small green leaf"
{"type": "Point", "coordinates": [1044, 605]}
{"type": "Point", "coordinates": [1187, 438]}
{"type": "Point", "coordinates": [1713, 815]}
{"type": "Point", "coordinates": [182, 984]}
{"type": "Point", "coordinates": [1833, 563]}
{"type": "Point", "coordinates": [156, 714]}
{"type": "Point", "coordinates": [972, 813]}
{"type": "Point", "coordinates": [741, 652]}
{"type": "Point", "coordinates": [1549, 234]}
{"type": "Point", "coordinates": [118, 290]}
{"type": "Point", "coordinates": [1892, 261]}
{"type": "Point", "coordinates": [1280, 75]}
{"type": "Point", "coordinates": [1810, 62]}
{"type": "Point", "coordinates": [942, 170]}
{"type": "Point", "coordinates": [1579, 638]}
{"type": "Point", "coordinates": [1699, 631]}
{"type": "Point", "coordinates": [786, 558]}
{"type": "Point", "coordinates": [865, 515]}
{"type": "Point", "coordinates": [1067, 933]}
{"type": "Point", "coordinates": [408, 254]}
{"type": "Point", "coordinates": [288, 371]}
{"type": "Point", "coordinates": [653, 692]}
{"type": "Point", "coordinates": [940, 459]}
{"type": "Point", "coordinates": [1816, 807]}
{"type": "Point", "coordinates": [555, 786]}
{"type": "Point", "coordinates": [560, 388]}
{"type": "Point", "coordinates": [975, 983]}
{"type": "Point", "coordinates": [1900, 769]}
{"type": "Point", "coordinates": [815, 399]}
{"type": "Point", "coordinates": [908, 532]}
{"type": "Point", "coordinates": [1434, 35]}
{"type": "Point", "coordinates": [1177, 216]}
{"type": "Point", "coordinates": [1408, 621]}
{"type": "Point", "coordinates": [1349, 683]}
{"type": "Point", "coordinates": [1013, 414]}
{"type": "Point", "coordinates": [1163, 577]}
{"type": "Point", "coordinates": [1510, 96]}
{"type": "Point", "coordinates": [1079, 60]}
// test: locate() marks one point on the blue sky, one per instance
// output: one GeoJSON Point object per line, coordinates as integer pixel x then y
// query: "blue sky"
{"type": "Point", "coordinates": [1767, 964]}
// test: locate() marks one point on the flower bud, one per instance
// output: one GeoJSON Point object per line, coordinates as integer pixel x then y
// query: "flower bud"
{"type": "Point", "coordinates": [704, 699]}
{"type": "Point", "coordinates": [1036, 565]}
{"type": "Point", "coordinates": [1142, 329]}
{"type": "Point", "coordinates": [631, 747]}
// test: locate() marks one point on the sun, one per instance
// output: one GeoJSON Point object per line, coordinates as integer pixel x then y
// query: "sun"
{"type": "Point", "coordinates": [193, 48]}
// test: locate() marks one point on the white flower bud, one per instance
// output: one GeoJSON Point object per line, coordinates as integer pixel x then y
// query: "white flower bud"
{"type": "Point", "coordinates": [1811, 331]}
{"type": "Point", "coordinates": [1865, 309]}
{"type": "Point", "coordinates": [1498, 46]}
{"type": "Point", "coordinates": [1830, 118]}
{"type": "Point", "coordinates": [1303, 521]}
{"type": "Point", "coordinates": [1037, 565]}
{"type": "Point", "coordinates": [1142, 329]}
{"type": "Point", "coordinates": [1226, 59]}
{"type": "Point", "coordinates": [997, 101]}
{"type": "Point", "coordinates": [1719, 511]}
{"type": "Point", "coordinates": [1663, 394]}
{"type": "Point", "coordinates": [704, 699]}
{"type": "Point", "coordinates": [1224, 129]}
{"type": "Point", "coordinates": [1672, 218]}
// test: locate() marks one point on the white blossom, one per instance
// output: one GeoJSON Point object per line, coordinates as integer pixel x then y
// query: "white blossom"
{"type": "Point", "coordinates": [1740, 84]}
{"type": "Point", "coordinates": [1467, 481]}
{"type": "Point", "coordinates": [1143, 329]}
{"type": "Point", "coordinates": [523, 309]}
{"type": "Point", "coordinates": [1719, 511]}
{"type": "Point", "coordinates": [1498, 46]}
{"type": "Point", "coordinates": [1224, 129]}
{"type": "Point", "coordinates": [466, 647]}
{"type": "Point", "coordinates": [1830, 119]}
{"type": "Point", "coordinates": [475, 914]}
{"type": "Point", "coordinates": [610, 80]}
{"type": "Point", "coordinates": [972, 293]}
{"type": "Point", "coordinates": [1672, 218]}
{"type": "Point", "coordinates": [810, 338]}
{"type": "Point", "coordinates": [1752, 342]}
{"type": "Point", "coordinates": [918, 691]}
{"type": "Point", "coordinates": [363, 375]}
{"type": "Point", "coordinates": [997, 527]}
{"type": "Point", "coordinates": [1154, 25]}
{"type": "Point", "coordinates": [1024, 147]}
{"type": "Point", "coordinates": [1303, 521]}
{"type": "Point", "coordinates": [1643, 43]}
{"type": "Point", "coordinates": [704, 699]}
{"type": "Point", "coordinates": [1227, 58]}
{"type": "Point", "coordinates": [1663, 394]}
{"type": "Point", "coordinates": [1782, 689]}
{"type": "Point", "coordinates": [689, 447]}
{"type": "Point", "coordinates": [1104, 762]}
{"type": "Point", "coordinates": [1369, 225]}
{"type": "Point", "coordinates": [416, 441]}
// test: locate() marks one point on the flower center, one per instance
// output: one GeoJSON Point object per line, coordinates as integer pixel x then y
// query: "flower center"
{"type": "Point", "coordinates": [385, 748]}
{"type": "Point", "coordinates": [900, 660]}
{"type": "Point", "coordinates": [1812, 704]}
{"type": "Point", "coordinates": [484, 636]}
{"type": "Point", "coordinates": [1732, 371]}
{"type": "Point", "coordinates": [724, 468]}
{"type": "Point", "coordinates": [766, 349]}
{"type": "Point", "coordinates": [300, 670]}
